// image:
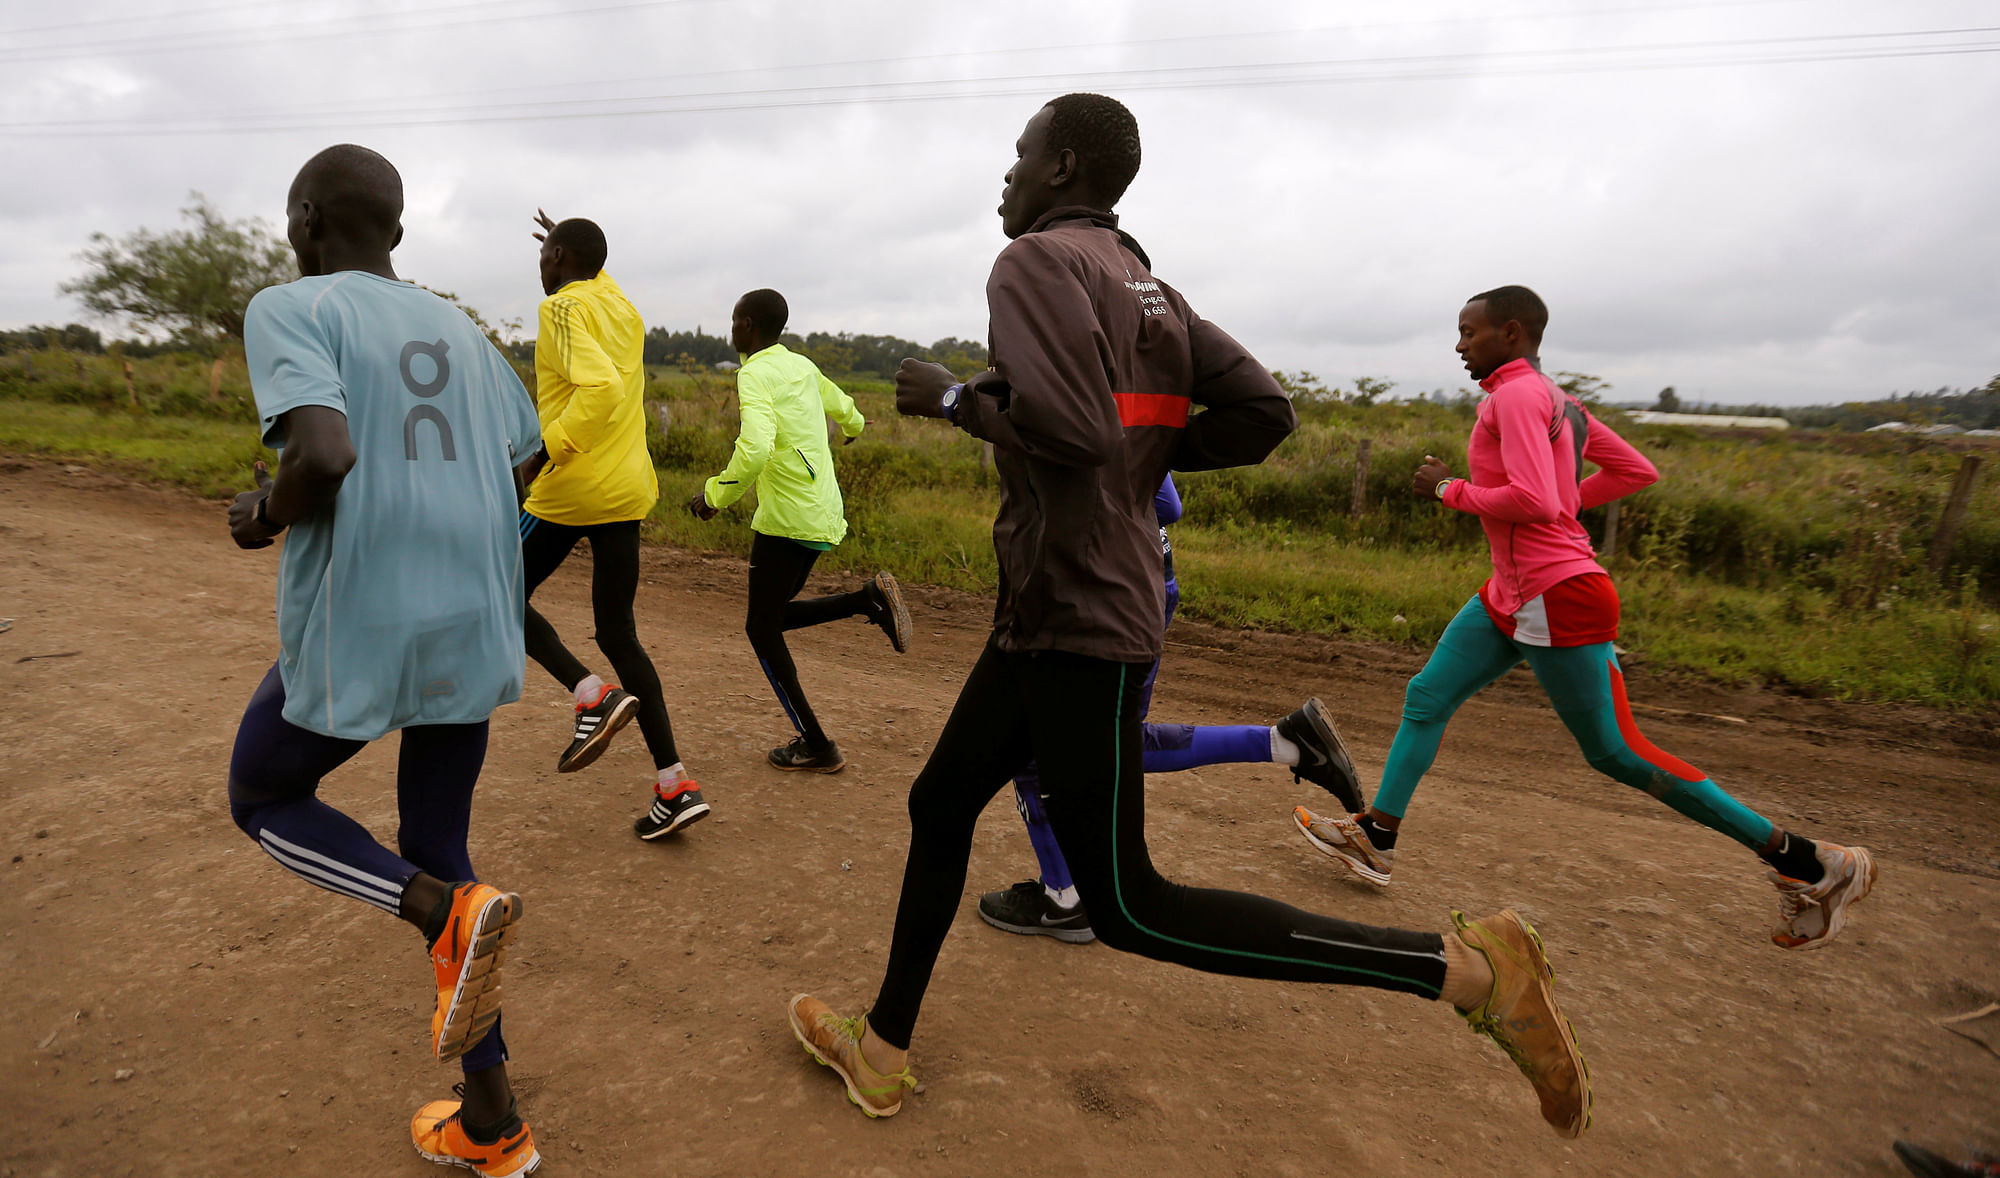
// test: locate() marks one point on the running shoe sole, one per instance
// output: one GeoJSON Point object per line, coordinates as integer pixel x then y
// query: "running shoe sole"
{"type": "Point", "coordinates": [593, 746]}
{"type": "Point", "coordinates": [853, 1094]}
{"type": "Point", "coordinates": [1072, 936]}
{"type": "Point", "coordinates": [1334, 852]}
{"type": "Point", "coordinates": [892, 595]}
{"type": "Point", "coordinates": [682, 820]}
{"type": "Point", "coordinates": [475, 1001]}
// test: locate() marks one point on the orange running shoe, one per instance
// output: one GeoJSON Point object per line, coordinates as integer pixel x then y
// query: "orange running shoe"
{"type": "Point", "coordinates": [439, 1135]}
{"type": "Point", "coordinates": [467, 959]}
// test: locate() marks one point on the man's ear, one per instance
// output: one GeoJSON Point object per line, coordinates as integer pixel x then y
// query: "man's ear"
{"type": "Point", "coordinates": [315, 223]}
{"type": "Point", "coordinates": [398, 238]}
{"type": "Point", "coordinates": [1065, 172]}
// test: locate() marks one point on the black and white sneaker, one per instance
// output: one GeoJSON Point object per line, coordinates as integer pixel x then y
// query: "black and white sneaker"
{"type": "Point", "coordinates": [889, 612]}
{"type": "Point", "coordinates": [596, 725]}
{"type": "Point", "coordinates": [1027, 909]}
{"type": "Point", "coordinates": [798, 757]}
{"type": "Point", "coordinates": [671, 812]}
{"type": "Point", "coordinates": [1323, 758]}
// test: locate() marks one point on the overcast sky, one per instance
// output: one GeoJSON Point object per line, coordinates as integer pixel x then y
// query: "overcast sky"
{"type": "Point", "coordinates": [1786, 201]}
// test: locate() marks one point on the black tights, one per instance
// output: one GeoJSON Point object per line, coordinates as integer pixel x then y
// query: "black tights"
{"type": "Point", "coordinates": [614, 582]}
{"type": "Point", "coordinates": [778, 570]}
{"type": "Point", "coordinates": [1078, 719]}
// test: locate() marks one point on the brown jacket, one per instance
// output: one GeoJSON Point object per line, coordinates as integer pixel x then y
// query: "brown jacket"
{"type": "Point", "coordinates": [1096, 366]}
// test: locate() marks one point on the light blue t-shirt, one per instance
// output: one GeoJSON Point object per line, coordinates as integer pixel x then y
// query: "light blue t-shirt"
{"type": "Point", "coordinates": [401, 605]}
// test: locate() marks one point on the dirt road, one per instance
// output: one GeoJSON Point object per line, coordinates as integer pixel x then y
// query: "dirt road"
{"type": "Point", "coordinates": [175, 1004]}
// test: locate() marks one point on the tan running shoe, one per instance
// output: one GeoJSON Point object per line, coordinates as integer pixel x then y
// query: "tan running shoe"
{"type": "Point", "coordinates": [1522, 1017]}
{"type": "Point", "coordinates": [1340, 838]}
{"type": "Point", "coordinates": [1810, 915]}
{"type": "Point", "coordinates": [836, 1042]}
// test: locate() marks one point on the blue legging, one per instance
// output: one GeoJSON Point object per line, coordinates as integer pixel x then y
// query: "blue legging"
{"type": "Point", "coordinates": [274, 776]}
{"type": "Point", "coordinates": [1588, 690]}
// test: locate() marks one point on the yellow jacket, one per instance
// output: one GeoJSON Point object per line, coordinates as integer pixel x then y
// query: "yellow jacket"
{"type": "Point", "coordinates": [590, 382]}
{"type": "Point", "coordinates": [782, 447]}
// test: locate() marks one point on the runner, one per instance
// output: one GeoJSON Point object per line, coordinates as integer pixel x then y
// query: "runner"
{"type": "Point", "coordinates": [1550, 602]}
{"type": "Point", "coordinates": [782, 450]}
{"type": "Point", "coordinates": [590, 385]}
{"type": "Point", "coordinates": [399, 607]}
{"type": "Point", "coordinates": [1306, 740]}
{"type": "Point", "coordinates": [1098, 365]}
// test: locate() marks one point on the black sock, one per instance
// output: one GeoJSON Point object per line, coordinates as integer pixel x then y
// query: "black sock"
{"type": "Point", "coordinates": [440, 914]}
{"type": "Point", "coordinates": [490, 1133]}
{"type": "Point", "coordinates": [1382, 837]}
{"type": "Point", "coordinates": [1797, 858]}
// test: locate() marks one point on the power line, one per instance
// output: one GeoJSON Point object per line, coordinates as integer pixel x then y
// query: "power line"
{"type": "Point", "coordinates": [1435, 67]}
{"type": "Point", "coordinates": [488, 95]}
{"type": "Point", "coordinates": [367, 25]}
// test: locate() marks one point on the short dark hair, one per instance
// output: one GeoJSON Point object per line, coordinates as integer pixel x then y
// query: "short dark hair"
{"type": "Point", "coordinates": [355, 189]}
{"type": "Point", "coordinates": [1505, 304]}
{"type": "Point", "coordinates": [582, 241]}
{"type": "Point", "coordinates": [766, 310]}
{"type": "Point", "coordinates": [1104, 136]}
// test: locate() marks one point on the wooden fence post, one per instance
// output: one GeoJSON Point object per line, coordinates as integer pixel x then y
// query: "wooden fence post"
{"type": "Point", "coordinates": [215, 380]}
{"type": "Point", "coordinates": [1954, 513]}
{"type": "Point", "coordinates": [1359, 500]}
{"type": "Point", "coordinates": [1610, 529]}
{"type": "Point", "coordinates": [985, 460]}
{"type": "Point", "coordinates": [131, 390]}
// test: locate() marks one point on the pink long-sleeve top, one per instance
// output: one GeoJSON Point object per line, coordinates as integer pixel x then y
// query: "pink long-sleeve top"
{"type": "Point", "coordinates": [1523, 486]}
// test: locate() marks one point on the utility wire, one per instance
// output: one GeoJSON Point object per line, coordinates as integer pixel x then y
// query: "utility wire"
{"type": "Point", "coordinates": [1434, 67]}
{"type": "Point", "coordinates": [373, 25]}
{"type": "Point", "coordinates": [488, 95]}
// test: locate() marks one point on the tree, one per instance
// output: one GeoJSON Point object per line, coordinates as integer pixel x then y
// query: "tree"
{"type": "Point", "coordinates": [1670, 401]}
{"type": "Point", "coordinates": [191, 285]}
{"type": "Point", "coordinates": [1584, 387]}
{"type": "Point", "coordinates": [1368, 388]}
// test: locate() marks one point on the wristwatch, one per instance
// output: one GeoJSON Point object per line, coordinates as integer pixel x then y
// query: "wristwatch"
{"type": "Point", "coordinates": [1442, 484]}
{"type": "Point", "coordinates": [257, 513]}
{"type": "Point", "coordinates": [949, 402]}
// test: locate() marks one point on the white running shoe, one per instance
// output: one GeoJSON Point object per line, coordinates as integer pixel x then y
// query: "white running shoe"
{"type": "Point", "coordinates": [1810, 915]}
{"type": "Point", "coordinates": [1341, 838]}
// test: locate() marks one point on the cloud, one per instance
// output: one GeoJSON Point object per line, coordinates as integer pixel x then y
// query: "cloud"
{"type": "Point", "coordinates": [1758, 232]}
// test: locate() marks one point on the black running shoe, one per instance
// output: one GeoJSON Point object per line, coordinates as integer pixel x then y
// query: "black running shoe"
{"type": "Point", "coordinates": [1026, 908]}
{"type": "Point", "coordinates": [1323, 758]}
{"type": "Point", "coordinates": [595, 726]}
{"type": "Point", "coordinates": [1925, 1164]}
{"type": "Point", "coordinates": [798, 757]}
{"type": "Point", "coordinates": [888, 610]}
{"type": "Point", "coordinates": [671, 812]}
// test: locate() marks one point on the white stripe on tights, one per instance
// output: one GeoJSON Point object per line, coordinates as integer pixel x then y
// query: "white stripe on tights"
{"type": "Point", "coordinates": [333, 883]}
{"type": "Point", "coordinates": [387, 898]}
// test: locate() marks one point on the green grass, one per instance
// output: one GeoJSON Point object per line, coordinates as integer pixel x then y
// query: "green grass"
{"type": "Point", "coordinates": [1788, 562]}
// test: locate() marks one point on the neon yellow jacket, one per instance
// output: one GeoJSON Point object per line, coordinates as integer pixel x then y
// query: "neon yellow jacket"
{"type": "Point", "coordinates": [590, 383]}
{"type": "Point", "coordinates": [782, 447]}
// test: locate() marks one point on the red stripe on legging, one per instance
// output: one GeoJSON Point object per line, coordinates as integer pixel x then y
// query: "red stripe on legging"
{"type": "Point", "coordinates": [1629, 729]}
{"type": "Point", "coordinates": [1151, 409]}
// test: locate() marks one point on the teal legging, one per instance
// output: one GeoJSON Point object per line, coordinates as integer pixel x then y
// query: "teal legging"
{"type": "Point", "coordinates": [1588, 690]}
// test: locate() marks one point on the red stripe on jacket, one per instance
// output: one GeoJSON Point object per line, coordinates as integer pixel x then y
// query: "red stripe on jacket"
{"type": "Point", "coordinates": [1151, 409]}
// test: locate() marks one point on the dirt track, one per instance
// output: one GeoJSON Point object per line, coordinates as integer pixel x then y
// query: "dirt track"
{"type": "Point", "coordinates": [271, 1028]}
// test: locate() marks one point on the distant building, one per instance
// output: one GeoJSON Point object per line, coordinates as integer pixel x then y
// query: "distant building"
{"type": "Point", "coordinates": [1706, 420]}
{"type": "Point", "coordinates": [727, 366]}
{"type": "Point", "coordinates": [1903, 427]}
